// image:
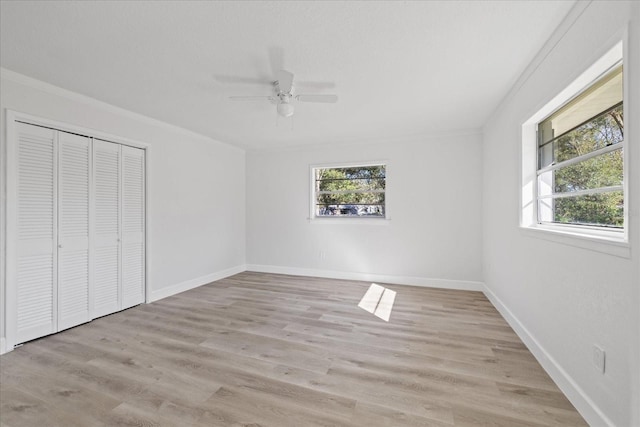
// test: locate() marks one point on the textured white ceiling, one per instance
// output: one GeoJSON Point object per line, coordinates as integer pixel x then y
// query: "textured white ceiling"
{"type": "Point", "coordinates": [399, 68]}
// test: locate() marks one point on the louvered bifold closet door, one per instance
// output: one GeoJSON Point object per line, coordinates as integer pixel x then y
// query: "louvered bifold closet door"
{"type": "Point", "coordinates": [34, 264]}
{"type": "Point", "coordinates": [107, 294]}
{"type": "Point", "coordinates": [74, 153]}
{"type": "Point", "coordinates": [133, 226]}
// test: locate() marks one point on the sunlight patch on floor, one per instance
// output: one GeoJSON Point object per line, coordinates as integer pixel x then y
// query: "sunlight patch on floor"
{"type": "Point", "coordinates": [378, 301]}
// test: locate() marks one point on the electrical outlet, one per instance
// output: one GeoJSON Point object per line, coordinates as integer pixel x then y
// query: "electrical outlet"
{"type": "Point", "coordinates": [599, 358]}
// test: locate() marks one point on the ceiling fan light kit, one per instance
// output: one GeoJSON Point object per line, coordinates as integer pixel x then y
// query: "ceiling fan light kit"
{"type": "Point", "coordinates": [283, 95]}
{"type": "Point", "coordinates": [285, 108]}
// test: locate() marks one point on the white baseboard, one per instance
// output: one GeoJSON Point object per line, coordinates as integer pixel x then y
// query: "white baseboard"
{"type": "Point", "coordinates": [464, 285]}
{"type": "Point", "coordinates": [585, 406]}
{"type": "Point", "coordinates": [3, 345]}
{"type": "Point", "coordinates": [194, 283]}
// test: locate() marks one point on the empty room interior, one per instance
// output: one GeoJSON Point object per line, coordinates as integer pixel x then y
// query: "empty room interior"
{"type": "Point", "coordinates": [320, 213]}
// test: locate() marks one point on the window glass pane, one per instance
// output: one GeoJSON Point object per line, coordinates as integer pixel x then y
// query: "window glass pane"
{"type": "Point", "coordinates": [350, 191]}
{"type": "Point", "coordinates": [603, 130]}
{"type": "Point", "coordinates": [605, 209]}
{"type": "Point", "coordinates": [360, 204]}
{"type": "Point", "coordinates": [351, 198]}
{"type": "Point", "coordinates": [353, 178]}
{"type": "Point", "coordinates": [545, 156]}
{"type": "Point", "coordinates": [350, 210]}
{"type": "Point", "coordinates": [332, 184]}
{"type": "Point", "coordinates": [605, 170]}
{"type": "Point", "coordinates": [601, 96]}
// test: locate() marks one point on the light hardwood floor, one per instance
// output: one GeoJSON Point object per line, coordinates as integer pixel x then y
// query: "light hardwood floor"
{"type": "Point", "coordinates": [272, 350]}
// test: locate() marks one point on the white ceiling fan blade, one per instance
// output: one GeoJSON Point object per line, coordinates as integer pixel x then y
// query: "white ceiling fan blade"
{"type": "Point", "coordinates": [276, 59]}
{"type": "Point", "coordinates": [252, 98]}
{"type": "Point", "coordinates": [304, 84]}
{"type": "Point", "coordinates": [285, 81]}
{"type": "Point", "coordinates": [331, 99]}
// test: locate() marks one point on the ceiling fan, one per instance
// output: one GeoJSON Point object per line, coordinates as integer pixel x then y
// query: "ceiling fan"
{"type": "Point", "coordinates": [284, 95]}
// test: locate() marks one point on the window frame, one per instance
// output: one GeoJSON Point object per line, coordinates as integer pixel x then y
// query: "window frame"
{"type": "Point", "coordinates": [598, 238]}
{"type": "Point", "coordinates": [351, 219]}
{"type": "Point", "coordinates": [553, 167]}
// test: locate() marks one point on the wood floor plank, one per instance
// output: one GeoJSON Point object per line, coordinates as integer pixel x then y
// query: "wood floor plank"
{"type": "Point", "coordinates": [270, 409]}
{"type": "Point", "coordinates": [259, 349]}
{"type": "Point", "coordinates": [20, 408]}
{"type": "Point", "coordinates": [61, 392]}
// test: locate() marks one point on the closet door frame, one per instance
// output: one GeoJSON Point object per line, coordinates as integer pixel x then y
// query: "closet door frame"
{"type": "Point", "coordinates": [10, 306]}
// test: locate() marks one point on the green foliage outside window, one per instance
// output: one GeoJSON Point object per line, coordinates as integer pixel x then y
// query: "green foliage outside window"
{"type": "Point", "coordinates": [606, 170]}
{"type": "Point", "coordinates": [350, 191]}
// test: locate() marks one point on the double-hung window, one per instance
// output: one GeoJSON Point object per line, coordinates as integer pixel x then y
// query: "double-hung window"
{"type": "Point", "coordinates": [580, 172]}
{"type": "Point", "coordinates": [349, 191]}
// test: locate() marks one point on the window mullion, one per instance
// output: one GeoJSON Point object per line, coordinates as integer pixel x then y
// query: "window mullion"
{"type": "Point", "coordinates": [600, 190]}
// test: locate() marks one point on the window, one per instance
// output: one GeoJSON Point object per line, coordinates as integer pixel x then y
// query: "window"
{"type": "Point", "coordinates": [574, 187]}
{"type": "Point", "coordinates": [349, 191]}
{"type": "Point", "coordinates": [580, 158]}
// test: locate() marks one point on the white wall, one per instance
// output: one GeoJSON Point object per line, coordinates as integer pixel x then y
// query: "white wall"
{"type": "Point", "coordinates": [560, 298]}
{"type": "Point", "coordinates": [196, 186]}
{"type": "Point", "coordinates": [433, 197]}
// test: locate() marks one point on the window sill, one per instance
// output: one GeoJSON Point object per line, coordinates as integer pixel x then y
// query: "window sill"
{"type": "Point", "coordinates": [611, 243]}
{"type": "Point", "coordinates": [345, 220]}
